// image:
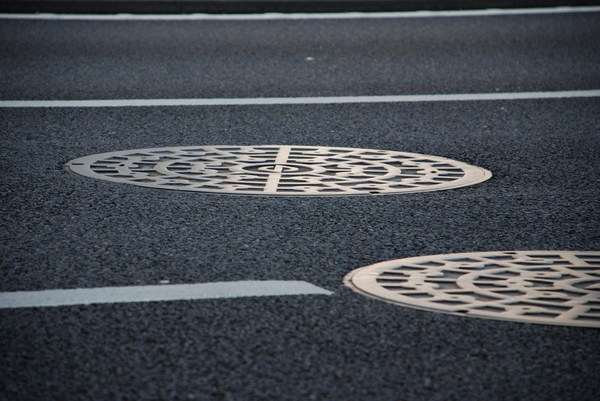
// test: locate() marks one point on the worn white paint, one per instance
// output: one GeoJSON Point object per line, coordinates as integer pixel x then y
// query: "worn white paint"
{"type": "Point", "coordinates": [156, 293]}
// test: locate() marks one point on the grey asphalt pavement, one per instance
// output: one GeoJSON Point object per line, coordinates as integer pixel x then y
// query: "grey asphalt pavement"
{"type": "Point", "coordinates": [66, 231]}
{"type": "Point", "coordinates": [150, 59]}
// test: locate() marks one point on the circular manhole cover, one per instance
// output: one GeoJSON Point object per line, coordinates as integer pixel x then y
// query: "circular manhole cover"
{"type": "Point", "coordinates": [547, 287]}
{"type": "Point", "coordinates": [280, 170]}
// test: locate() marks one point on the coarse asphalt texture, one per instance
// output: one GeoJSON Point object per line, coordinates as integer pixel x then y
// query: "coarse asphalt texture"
{"type": "Point", "coordinates": [66, 231]}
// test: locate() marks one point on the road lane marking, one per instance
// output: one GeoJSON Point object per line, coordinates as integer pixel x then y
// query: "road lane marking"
{"type": "Point", "coordinates": [156, 293]}
{"type": "Point", "coordinates": [304, 16]}
{"type": "Point", "coordinates": [300, 100]}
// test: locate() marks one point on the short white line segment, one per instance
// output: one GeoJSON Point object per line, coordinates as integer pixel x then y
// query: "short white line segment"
{"type": "Point", "coordinates": [156, 293]}
{"type": "Point", "coordinates": [305, 16]}
{"type": "Point", "coordinates": [300, 100]}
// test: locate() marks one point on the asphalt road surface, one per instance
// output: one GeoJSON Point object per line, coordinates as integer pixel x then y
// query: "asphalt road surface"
{"type": "Point", "coordinates": [63, 231]}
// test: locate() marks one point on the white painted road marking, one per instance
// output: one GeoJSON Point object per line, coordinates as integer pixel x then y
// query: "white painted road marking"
{"type": "Point", "coordinates": [156, 293]}
{"type": "Point", "coordinates": [303, 16]}
{"type": "Point", "coordinates": [301, 100]}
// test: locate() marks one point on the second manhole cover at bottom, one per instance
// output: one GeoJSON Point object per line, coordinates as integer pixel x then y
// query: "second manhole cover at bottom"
{"type": "Point", "coordinates": [547, 287]}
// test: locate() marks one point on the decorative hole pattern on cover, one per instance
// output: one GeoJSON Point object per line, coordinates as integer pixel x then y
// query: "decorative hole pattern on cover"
{"type": "Point", "coordinates": [280, 170]}
{"type": "Point", "coordinates": [547, 287]}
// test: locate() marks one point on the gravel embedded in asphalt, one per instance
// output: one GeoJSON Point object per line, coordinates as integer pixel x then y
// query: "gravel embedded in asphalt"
{"type": "Point", "coordinates": [66, 231]}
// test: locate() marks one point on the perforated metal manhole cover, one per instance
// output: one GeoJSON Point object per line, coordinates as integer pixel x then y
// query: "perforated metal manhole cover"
{"type": "Point", "coordinates": [280, 170]}
{"type": "Point", "coordinates": [546, 287]}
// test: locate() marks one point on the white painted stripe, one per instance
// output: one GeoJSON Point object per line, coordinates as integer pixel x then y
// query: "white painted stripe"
{"type": "Point", "coordinates": [155, 293]}
{"type": "Point", "coordinates": [304, 16]}
{"type": "Point", "coordinates": [300, 100]}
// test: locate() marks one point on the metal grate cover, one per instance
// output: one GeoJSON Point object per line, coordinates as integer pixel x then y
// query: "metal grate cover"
{"type": "Point", "coordinates": [279, 170]}
{"type": "Point", "coordinates": [546, 287]}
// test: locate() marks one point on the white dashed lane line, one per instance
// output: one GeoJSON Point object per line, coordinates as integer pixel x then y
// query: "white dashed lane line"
{"type": "Point", "coordinates": [156, 293]}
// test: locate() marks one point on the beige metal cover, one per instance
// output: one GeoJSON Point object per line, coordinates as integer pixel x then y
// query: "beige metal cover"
{"type": "Point", "coordinates": [546, 287]}
{"type": "Point", "coordinates": [280, 170]}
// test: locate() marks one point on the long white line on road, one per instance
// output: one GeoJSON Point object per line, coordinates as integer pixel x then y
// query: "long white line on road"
{"type": "Point", "coordinates": [300, 100]}
{"type": "Point", "coordinates": [302, 16]}
{"type": "Point", "coordinates": [155, 293]}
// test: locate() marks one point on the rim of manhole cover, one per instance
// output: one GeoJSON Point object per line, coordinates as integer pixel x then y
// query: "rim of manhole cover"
{"type": "Point", "coordinates": [545, 287]}
{"type": "Point", "coordinates": [277, 170]}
